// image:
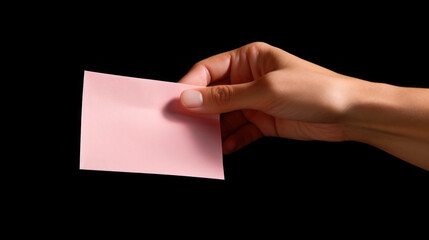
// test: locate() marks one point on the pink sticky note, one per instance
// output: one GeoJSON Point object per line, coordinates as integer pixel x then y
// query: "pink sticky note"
{"type": "Point", "coordinates": [138, 125]}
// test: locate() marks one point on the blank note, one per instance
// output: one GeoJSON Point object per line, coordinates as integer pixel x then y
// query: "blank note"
{"type": "Point", "coordinates": [138, 125]}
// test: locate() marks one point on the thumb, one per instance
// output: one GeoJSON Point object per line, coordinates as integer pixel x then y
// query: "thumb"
{"type": "Point", "coordinates": [221, 98]}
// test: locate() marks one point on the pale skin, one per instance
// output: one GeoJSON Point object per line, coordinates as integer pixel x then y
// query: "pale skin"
{"type": "Point", "coordinates": [262, 91]}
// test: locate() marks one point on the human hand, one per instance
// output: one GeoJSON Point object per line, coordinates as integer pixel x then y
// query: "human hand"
{"type": "Point", "coordinates": [264, 91]}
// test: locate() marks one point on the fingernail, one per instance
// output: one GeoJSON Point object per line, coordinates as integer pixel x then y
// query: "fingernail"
{"type": "Point", "coordinates": [191, 98]}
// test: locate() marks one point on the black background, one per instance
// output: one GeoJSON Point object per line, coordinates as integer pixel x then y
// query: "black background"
{"type": "Point", "coordinates": [271, 175]}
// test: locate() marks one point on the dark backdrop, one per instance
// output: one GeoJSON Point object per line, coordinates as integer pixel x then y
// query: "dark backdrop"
{"type": "Point", "coordinates": [270, 173]}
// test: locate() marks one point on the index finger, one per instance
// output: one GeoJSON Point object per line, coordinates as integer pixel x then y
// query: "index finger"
{"type": "Point", "coordinates": [209, 70]}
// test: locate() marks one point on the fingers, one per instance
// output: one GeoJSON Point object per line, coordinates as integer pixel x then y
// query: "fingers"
{"type": "Point", "coordinates": [241, 138]}
{"type": "Point", "coordinates": [223, 98]}
{"type": "Point", "coordinates": [209, 70]}
{"type": "Point", "coordinates": [230, 122]}
{"type": "Point", "coordinates": [243, 64]}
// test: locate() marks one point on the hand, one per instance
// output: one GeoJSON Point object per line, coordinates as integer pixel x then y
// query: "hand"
{"type": "Point", "coordinates": [265, 91]}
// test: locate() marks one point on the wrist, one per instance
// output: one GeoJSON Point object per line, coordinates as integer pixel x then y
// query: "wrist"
{"type": "Point", "coordinates": [393, 119]}
{"type": "Point", "coordinates": [369, 106]}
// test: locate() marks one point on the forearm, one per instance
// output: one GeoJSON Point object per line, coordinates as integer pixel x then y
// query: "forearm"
{"type": "Point", "coordinates": [394, 119]}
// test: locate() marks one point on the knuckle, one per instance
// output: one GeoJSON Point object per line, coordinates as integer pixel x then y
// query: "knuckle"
{"type": "Point", "coordinates": [221, 95]}
{"type": "Point", "coordinates": [258, 45]}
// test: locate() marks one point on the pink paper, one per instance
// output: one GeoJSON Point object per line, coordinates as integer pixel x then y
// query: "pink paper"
{"type": "Point", "coordinates": [138, 125]}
